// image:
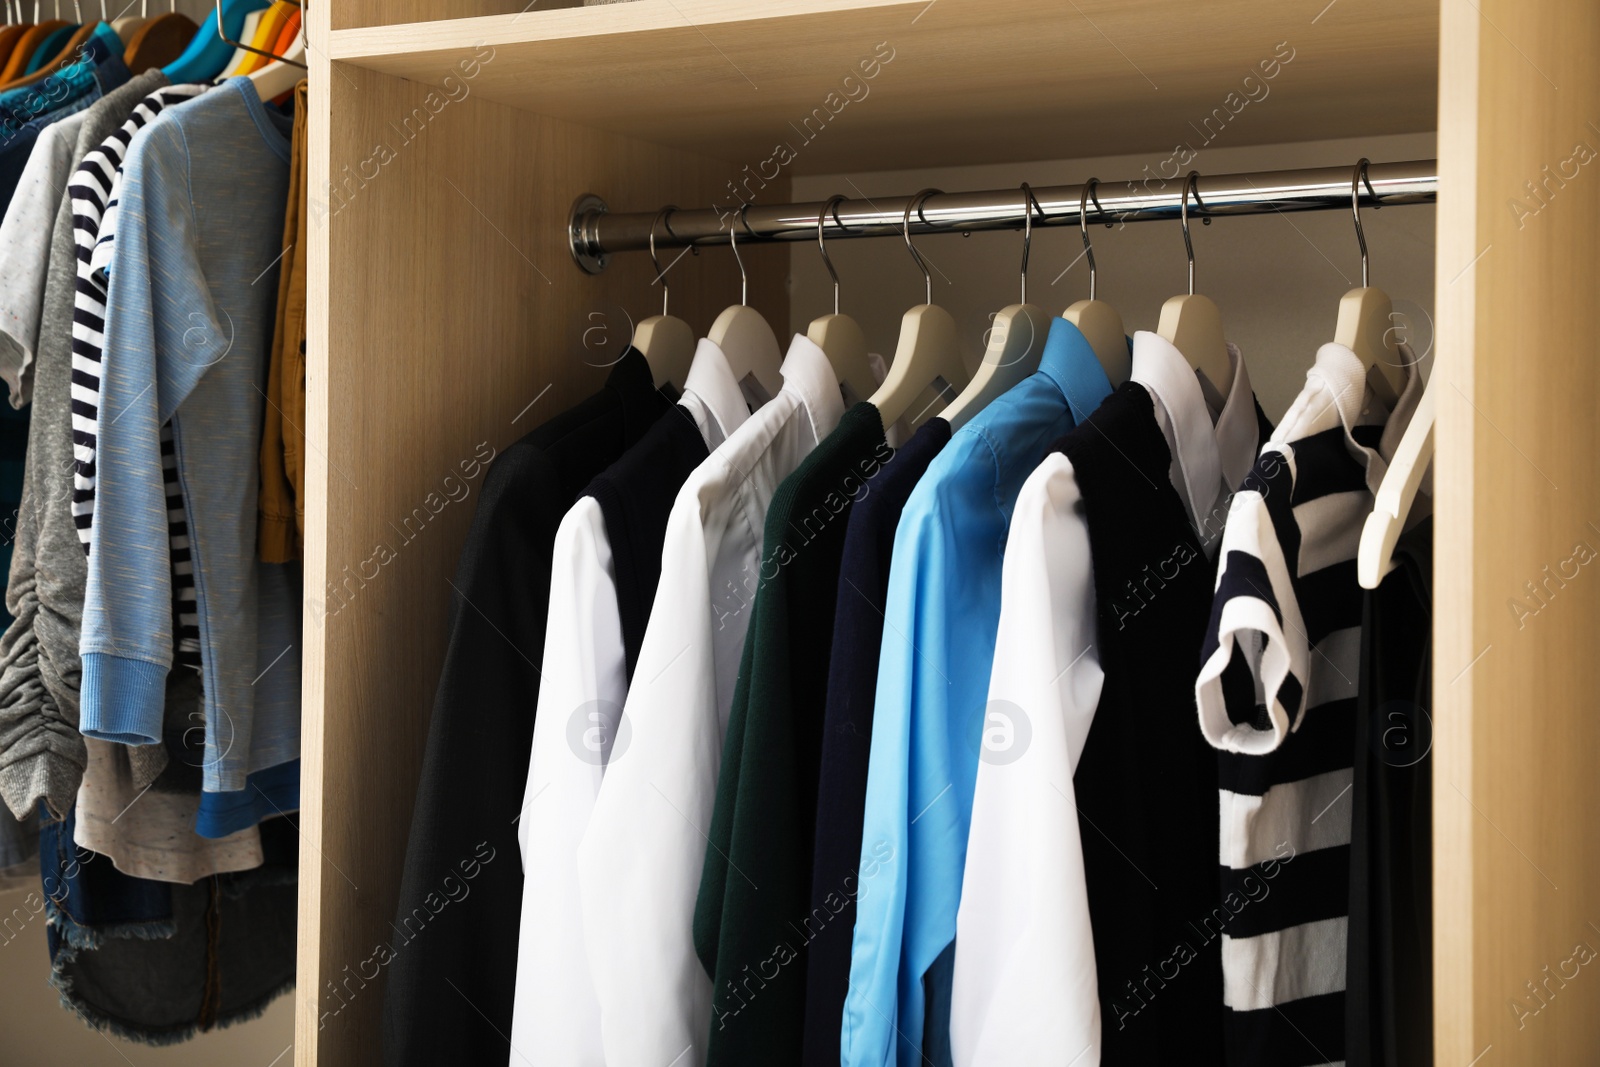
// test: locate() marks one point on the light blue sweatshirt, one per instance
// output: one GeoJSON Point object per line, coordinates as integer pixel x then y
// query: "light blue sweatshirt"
{"type": "Point", "coordinates": [189, 319]}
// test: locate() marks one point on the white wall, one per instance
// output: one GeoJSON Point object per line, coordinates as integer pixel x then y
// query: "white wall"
{"type": "Point", "coordinates": [1277, 278]}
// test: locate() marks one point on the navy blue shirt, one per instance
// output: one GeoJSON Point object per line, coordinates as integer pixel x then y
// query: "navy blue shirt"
{"type": "Point", "coordinates": [847, 730]}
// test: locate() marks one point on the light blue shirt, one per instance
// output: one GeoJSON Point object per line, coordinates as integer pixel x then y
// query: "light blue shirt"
{"type": "Point", "coordinates": [942, 613]}
{"type": "Point", "coordinates": [189, 317]}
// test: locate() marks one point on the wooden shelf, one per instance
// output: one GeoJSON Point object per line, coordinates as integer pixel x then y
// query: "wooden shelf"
{"type": "Point", "coordinates": [733, 80]}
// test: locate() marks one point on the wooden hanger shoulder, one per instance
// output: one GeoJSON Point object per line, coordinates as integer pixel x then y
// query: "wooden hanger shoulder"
{"type": "Point", "coordinates": [667, 344]}
{"type": "Point", "coordinates": [927, 350]}
{"type": "Point", "coordinates": [1102, 327]}
{"type": "Point", "coordinates": [1193, 325]}
{"type": "Point", "coordinates": [1016, 345]}
{"type": "Point", "coordinates": [750, 345]}
{"type": "Point", "coordinates": [841, 340]}
{"type": "Point", "coordinates": [1396, 494]}
{"type": "Point", "coordinates": [1366, 318]}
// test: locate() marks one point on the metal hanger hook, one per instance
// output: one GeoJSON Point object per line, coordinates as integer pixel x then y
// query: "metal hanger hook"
{"type": "Point", "coordinates": [831, 207]}
{"type": "Point", "coordinates": [1190, 183]}
{"type": "Point", "coordinates": [905, 229]}
{"type": "Point", "coordinates": [1356, 179]}
{"type": "Point", "coordinates": [1083, 226]}
{"type": "Point", "coordinates": [1029, 203]}
{"type": "Point", "coordinates": [733, 243]}
{"type": "Point", "coordinates": [661, 275]}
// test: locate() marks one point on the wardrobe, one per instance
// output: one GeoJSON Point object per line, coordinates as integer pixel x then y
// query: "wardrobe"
{"type": "Point", "coordinates": [451, 138]}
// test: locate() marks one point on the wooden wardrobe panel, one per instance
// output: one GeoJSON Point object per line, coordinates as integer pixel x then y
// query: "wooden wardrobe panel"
{"type": "Point", "coordinates": [445, 313]}
{"type": "Point", "coordinates": [353, 13]}
{"type": "Point", "coordinates": [950, 82]}
{"type": "Point", "coordinates": [1517, 590]}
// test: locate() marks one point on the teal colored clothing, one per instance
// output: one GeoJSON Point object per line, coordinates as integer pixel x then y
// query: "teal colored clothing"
{"type": "Point", "coordinates": [67, 84]}
{"type": "Point", "coordinates": [188, 324]}
{"type": "Point", "coordinates": [940, 621]}
{"type": "Point", "coordinates": [51, 47]}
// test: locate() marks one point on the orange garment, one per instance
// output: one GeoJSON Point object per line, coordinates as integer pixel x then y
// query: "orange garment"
{"type": "Point", "coordinates": [266, 35]}
{"type": "Point", "coordinates": [282, 501]}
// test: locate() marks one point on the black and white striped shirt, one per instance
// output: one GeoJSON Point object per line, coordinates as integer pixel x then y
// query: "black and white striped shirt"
{"type": "Point", "coordinates": [1277, 694]}
{"type": "Point", "coordinates": [92, 190]}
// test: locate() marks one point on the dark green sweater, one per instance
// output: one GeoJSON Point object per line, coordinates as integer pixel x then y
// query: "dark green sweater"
{"type": "Point", "coordinates": [752, 922]}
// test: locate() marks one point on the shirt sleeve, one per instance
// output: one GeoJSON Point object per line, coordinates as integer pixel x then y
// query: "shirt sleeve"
{"type": "Point", "coordinates": [640, 862]}
{"type": "Point", "coordinates": [584, 684]}
{"type": "Point", "coordinates": [25, 235]}
{"type": "Point", "coordinates": [1025, 989]}
{"type": "Point", "coordinates": [162, 332]}
{"type": "Point", "coordinates": [1251, 686]}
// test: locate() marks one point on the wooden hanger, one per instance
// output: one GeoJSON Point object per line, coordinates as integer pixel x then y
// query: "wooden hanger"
{"type": "Point", "coordinates": [1016, 342]}
{"type": "Point", "coordinates": [160, 40]}
{"type": "Point", "coordinates": [839, 337]}
{"type": "Point", "coordinates": [1366, 315]}
{"type": "Point", "coordinates": [743, 335]}
{"type": "Point", "coordinates": [126, 26]}
{"type": "Point", "coordinates": [9, 36]}
{"type": "Point", "coordinates": [66, 49]}
{"type": "Point", "coordinates": [666, 342]}
{"type": "Point", "coordinates": [285, 70]}
{"type": "Point", "coordinates": [927, 350]}
{"type": "Point", "coordinates": [1396, 493]}
{"type": "Point", "coordinates": [240, 56]}
{"type": "Point", "coordinates": [1192, 324]}
{"type": "Point", "coordinates": [1097, 320]}
{"type": "Point", "coordinates": [26, 45]}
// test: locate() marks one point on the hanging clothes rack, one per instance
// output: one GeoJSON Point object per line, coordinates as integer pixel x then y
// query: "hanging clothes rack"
{"type": "Point", "coordinates": [594, 232]}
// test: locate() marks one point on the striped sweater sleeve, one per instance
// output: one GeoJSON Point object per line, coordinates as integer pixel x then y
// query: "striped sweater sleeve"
{"type": "Point", "coordinates": [93, 189]}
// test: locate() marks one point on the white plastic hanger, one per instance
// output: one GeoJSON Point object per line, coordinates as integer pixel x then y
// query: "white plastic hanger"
{"type": "Point", "coordinates": [665, 341]}
{"type": "Point", "coordinates": [284, 72]}
{"type": "Point", "coordinates": [1097, 320]}
{"type": "Point", "coordinates": [1396, 493]}
{"type": "Point", "coordinates": [1016, 342]}
{"type": "Point", "coordinates": [1366, 315]}
{"type": "Point", "coordinates": [927, 349]}
{"type": "Point", "coordinates": [1192, 324]}
{"type": "Point", "coordinates": [743, 335]}
{"type": "Point", "coordinates": [241, 54]}
{"type": "Point", "coordinates": [839, 337]}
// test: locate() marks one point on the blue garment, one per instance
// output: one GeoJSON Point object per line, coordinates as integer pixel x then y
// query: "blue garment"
{"type": "Point", "coordinates": [103, 49]}
{"type": "Point", "coordinates": [940, 621]}
{"type": "Point", "coordinates": [847, 730]}
{"type": "Point", "coordinates": [189, 317]}
{"type": "Point", "coordinates": [24, 112]}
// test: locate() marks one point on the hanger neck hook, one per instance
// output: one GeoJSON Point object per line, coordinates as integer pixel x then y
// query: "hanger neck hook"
{"type": "Point", "coordinates": [905, 229]}
{"type": "Point", "coordinates": [831, 207]}
{"type": "Point", "coordinates": [1356, 179]}
{"type": "Point", "coordinates": [661, 275]}
{"type": "Point", "coordinates": [1190, 183]}
{"type": "Point", "coordinates": [733, 242]}
{"type": "Point", "coordinates": [1029, 202]}
{"type": "Point", "coordinates": [1083, 228]}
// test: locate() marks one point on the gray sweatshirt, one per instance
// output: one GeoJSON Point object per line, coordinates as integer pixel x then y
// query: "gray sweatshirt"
{"type": "Point", "coordinates": [42, 755]}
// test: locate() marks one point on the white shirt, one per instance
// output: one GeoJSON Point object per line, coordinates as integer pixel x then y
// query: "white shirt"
{"type": "Point", "coordinates": [1025, 987]}
{"type": "Point", "coordinates": [639, 863]}
{"type": "Point", "coordinates": [584, 683]}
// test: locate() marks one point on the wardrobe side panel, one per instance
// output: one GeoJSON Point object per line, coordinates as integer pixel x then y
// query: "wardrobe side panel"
{"type": "Point", "coordinates": [1517, 675]}
{"type": "Point", "coordinates": [447, 318]}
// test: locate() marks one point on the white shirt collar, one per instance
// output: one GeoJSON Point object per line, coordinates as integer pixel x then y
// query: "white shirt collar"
{"type": "Point", "coordinates": [721, 408]}
{"type": "Point", "coordinates": [1345, 378]}
{"type": "Point", "coordinates": [808, 374]}
{"type": "Point", "coordinates": [1211, 458]}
